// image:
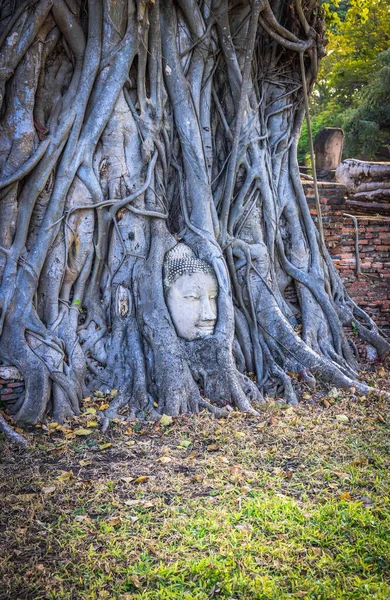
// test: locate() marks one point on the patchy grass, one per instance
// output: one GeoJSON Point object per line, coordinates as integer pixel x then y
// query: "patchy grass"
{"type": "Point", "coordinates": [294, 504]}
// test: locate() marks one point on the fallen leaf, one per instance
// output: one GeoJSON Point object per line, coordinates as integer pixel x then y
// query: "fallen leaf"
{"type": "Point", "coordinates": [346, 496]}
{"type": "Point", "coordinates": [166, 420]}
{"type": "Point", "coordinates": [212, 448]}
{"type": "Point", "coordinates": [85, 463]}
{"type": "Point", "coordinates": [127, 479]}
{"type": "Point", "coordinates": [342, 418]}
{"type": "Point", "coordinates": [184, 444]}
{"type": "Point", "coordinates": [49, 490]}
{"type": "Point", "coordinates": [104, 406]}
{"type": "Point", "coordinates": [105, 446]}
{"type": "Point", "coordinates": [99, 394]}
{"type": "Point", "coordinates": [306, 396]}
{"type": "Point", "coordinates": [325, 403]}
{"type": "Point", "coordinates": [359, 462]}
{"type": "Point", "coordinates": [53, 425]}
{"type": "Point", "coordinates": [342, 475]}
{"type": "Point", "coordinates": [91, 410]}
{"type": "Point", "coordinates": [164, 460]}
{"type": "Point", "coordinates": [239, 434]}
{"type": "Point", "coordinates": [139, 502]}
{"type": "Point", "coordinates": [244, 527]}
{"type": "Point", "coordinates": [65, 476]}
{"type": "Point", "coordinates": [141, 479]}
{"type": "Point", "coordinates": [113, 521]}
{"type": "Point", "coordinates": [130, 443]}
{"type": "Point", "coordinates": [82, 432]}
{"type": "Point", "coordinates": [366, 501]}
{"type": "Point", "coordinates": [92, 424]}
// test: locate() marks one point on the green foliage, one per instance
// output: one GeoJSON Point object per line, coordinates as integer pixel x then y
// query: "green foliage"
{"type": "Point", "coordinates": [353, 88]}
{"type": "Point", "coordinates": [368, 125]}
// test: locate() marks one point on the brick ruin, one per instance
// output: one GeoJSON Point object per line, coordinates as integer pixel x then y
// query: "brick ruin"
{"type": "Point", "coordinates": [366, 276]}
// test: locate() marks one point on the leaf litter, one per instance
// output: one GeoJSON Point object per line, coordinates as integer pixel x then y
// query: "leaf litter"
{"type": "Point", "coordinates": [212, 508]}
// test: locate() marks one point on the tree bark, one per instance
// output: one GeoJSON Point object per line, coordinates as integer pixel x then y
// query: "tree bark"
{"type": "Point", "coordinates": [129, 126]}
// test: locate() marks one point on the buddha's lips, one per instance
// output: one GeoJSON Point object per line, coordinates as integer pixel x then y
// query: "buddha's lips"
{"type": "Point", "coordinates": [209, 328]}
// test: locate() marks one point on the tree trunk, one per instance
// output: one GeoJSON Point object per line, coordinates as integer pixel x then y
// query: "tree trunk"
{"type": "Point", "coordinates": [136, 132]}
{"type": "Point", "coordinates": [369, 181]}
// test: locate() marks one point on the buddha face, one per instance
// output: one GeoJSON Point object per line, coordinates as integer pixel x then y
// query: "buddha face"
{"type": "Point", "coordinates": [192, 303]}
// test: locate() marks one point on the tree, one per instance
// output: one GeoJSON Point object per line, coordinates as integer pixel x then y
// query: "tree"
{"type": "Point", "coordinates": [125, 129]}
{"type": "Point", "coordinates": [352, 87]}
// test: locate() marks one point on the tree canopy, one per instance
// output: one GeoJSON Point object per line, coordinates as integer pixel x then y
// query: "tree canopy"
{"type": "Point", "coordinates": [353, 87]}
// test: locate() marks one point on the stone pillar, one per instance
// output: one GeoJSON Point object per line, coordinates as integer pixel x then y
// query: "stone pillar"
{"type": "Point", "coordinates": [328, 148]}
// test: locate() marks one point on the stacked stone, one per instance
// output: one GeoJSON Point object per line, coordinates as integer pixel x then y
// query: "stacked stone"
{"type": "Point", "coordinates": [11, 384]}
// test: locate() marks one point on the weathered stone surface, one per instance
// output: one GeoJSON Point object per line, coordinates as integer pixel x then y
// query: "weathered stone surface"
{"type": "Point", "coordinates": [328, 148]}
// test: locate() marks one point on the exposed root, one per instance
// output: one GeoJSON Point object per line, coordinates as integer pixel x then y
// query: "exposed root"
{"type": "Point", "coordinates": [10, 434]}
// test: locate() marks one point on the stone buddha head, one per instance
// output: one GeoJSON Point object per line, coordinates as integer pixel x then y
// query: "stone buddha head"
{"type": "Point", "coordinates": [191, 291]}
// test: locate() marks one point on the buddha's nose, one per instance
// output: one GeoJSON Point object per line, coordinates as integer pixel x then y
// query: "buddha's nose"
{"type": "Point", "coordinates": [207, 312]}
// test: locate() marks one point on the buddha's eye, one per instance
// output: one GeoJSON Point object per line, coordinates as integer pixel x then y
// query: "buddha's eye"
{"type": "Point", "coordinates": [191, 297]}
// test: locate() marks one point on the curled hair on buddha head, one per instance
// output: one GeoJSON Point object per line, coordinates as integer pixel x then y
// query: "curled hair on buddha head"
{"type": "Point", "coordinates": [181, 260]}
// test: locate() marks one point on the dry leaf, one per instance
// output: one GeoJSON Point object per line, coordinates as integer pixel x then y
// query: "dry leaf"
{"type": "Point", "coordinates": [49, 490]}
{"type": "Point", "coordinates": [238, 434]}
{"type": "Point", "coordinates": [91, 411]}
{"type": "Point", "coordinates": [342, 418]}
{"type": "Point", "coordinates": [127, 479]}
{"type": "Point", "coordinates": [130, 443]}
{"type": "Point", "coordinates": [141, 479]}
{"type": "Point", "coordinates": [92, 424]}
{"type": "Point", "coordinates": [104, 406]}
{"type": "Point", "coordinates": [346, 496]}
{"type": "Point", "coordinates": [113, 521]}
{"type": "Point", "coordinates": [164, 460]}
{"type": "Point", "coordinates": [82, 432]}
{"type": "Point", "coordinates": [212, 448]}
{"type": "Point", "coordinates": [105, 446]}
{"type": "Point", "coordinates": [166, 420]}
{"type": "Point", "coordinates": [184, 444]}
{"type": "Point", "coordinates": [65, 476]}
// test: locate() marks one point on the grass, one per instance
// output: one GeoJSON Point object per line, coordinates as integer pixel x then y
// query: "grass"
{"type": "Point", "coordinates": [293, 504]}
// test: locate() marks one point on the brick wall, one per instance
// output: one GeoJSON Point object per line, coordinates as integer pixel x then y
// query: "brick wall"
{"type": "Point", "coordinates": [370, 289]}
{"type": "Point", "coordinates": [11, 384]}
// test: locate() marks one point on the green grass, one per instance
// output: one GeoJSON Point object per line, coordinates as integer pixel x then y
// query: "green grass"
{"type": "Point", "coordinates": [294, 504]}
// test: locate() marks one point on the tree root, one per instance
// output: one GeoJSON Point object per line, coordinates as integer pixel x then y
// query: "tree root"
{"type": "Point", "coordinates": [13, 436]}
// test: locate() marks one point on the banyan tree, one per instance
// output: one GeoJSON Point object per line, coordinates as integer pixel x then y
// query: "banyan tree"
{"type": "Point", "coordinates": [154, 233]}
